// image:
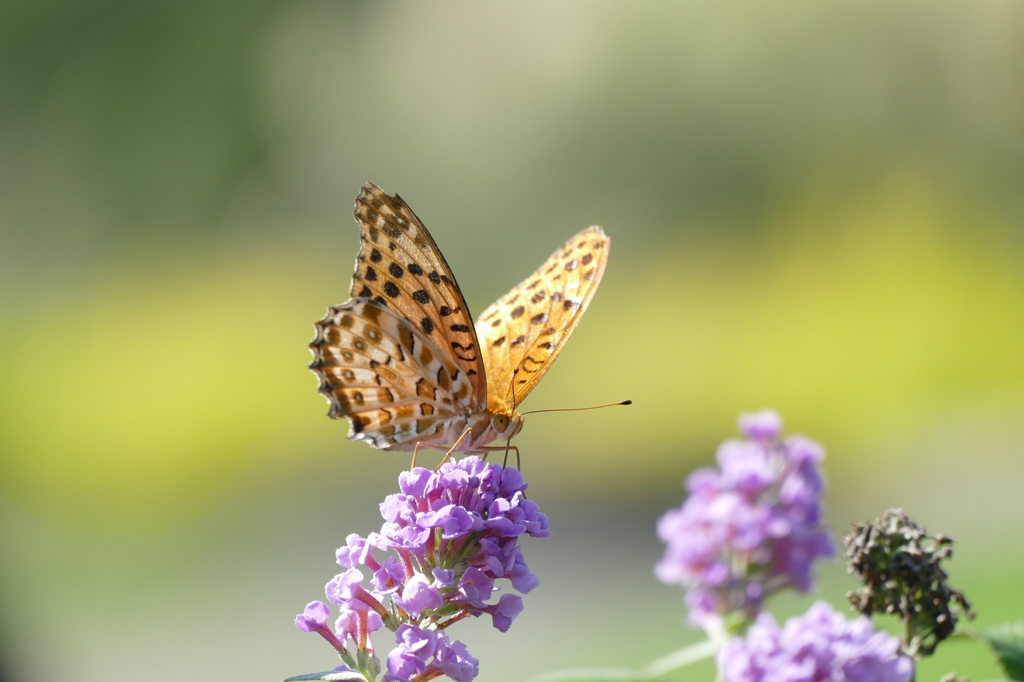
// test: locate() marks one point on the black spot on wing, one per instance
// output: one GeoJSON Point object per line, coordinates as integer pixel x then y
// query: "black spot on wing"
{"type": "Point", "coordinates": [456, 347]}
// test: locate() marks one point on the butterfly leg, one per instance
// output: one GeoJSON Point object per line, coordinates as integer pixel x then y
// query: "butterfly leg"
{"type": "Point", "coordinates": [447, 451]}
{"type": "Point", "coordinates": [454, 447]}
{"type": "Point", "coordinates": [416, 452]}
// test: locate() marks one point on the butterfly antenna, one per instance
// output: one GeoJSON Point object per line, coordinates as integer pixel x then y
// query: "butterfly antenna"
{"type": "Point", "coordinates": [578, 409]}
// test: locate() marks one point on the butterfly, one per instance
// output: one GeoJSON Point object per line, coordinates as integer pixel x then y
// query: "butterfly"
{"type": "Point", "coordinates": [403, 361]}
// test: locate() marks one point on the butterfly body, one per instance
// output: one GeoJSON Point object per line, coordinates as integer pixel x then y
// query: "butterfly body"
{"type": "Point", "coordinates": [404, 362]}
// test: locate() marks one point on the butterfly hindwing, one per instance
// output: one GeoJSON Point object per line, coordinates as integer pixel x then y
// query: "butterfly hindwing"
{"type": "Point", "coordinates": [522, 332]}
{"type": "Point", "coordinates": [400, 267]}
{"type": "Point", "coordinates": [385, 376]}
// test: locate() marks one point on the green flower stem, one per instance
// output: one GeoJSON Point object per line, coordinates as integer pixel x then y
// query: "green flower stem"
{"type": "Point", "coordinates": [683, 657]}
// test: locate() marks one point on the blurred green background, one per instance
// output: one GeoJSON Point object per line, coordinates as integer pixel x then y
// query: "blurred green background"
{"type": "Point", "coordinates": [815, 207]}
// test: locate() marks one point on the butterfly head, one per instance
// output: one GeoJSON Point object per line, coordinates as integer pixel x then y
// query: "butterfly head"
{"type": "Point", "coordinates": [488, 426]}
{"type": "Point", "coordinates": [506, 425]}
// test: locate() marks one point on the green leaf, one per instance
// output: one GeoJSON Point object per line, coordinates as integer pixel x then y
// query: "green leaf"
{"type": "Point", "coordinates": [588, 675]}
{"type": "Point", "coordinates": [673, 661]}
{"type": "Point", "coordinates": [1007, 643]}
{"type": "Point", "coordinates": [681, 658]}
{"type": "Point", "coordinates": [332, 675]}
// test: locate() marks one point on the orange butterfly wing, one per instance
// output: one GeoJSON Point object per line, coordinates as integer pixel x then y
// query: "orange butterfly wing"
{"type": "Point", "coordinates": [400, 266]}
{"type": "Point", "coordinates": [400, 359]}
{"type": "Point", "coordinates": [522, 332]}
{"type": "Point", "coordinates": [384, 375]}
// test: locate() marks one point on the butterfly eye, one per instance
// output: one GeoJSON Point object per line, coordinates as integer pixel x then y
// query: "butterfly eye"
{"type": "Point", "coordinates": [499, 422]}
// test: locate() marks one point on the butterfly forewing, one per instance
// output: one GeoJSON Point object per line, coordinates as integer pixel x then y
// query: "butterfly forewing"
{"type": "Point", "coordinates": [523, 331]}
{"type": "Point", "coordinates": [385, 376]}
{"type": "Point", "coordinates": [400, 267]}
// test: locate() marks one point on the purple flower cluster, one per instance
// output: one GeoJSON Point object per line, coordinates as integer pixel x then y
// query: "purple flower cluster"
{"type": "Point", "coordinates": [748, 529]}
{"type": "Point", "coordinates": [819, 645]}
{"type": "Point", "coordinates": [453, 534]}
{"type": "Point", "coordinates": [428, 653]}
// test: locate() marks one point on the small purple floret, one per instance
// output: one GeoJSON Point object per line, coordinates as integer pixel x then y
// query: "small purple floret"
{"type": "Point", "coordinates": [762, 425]}
{"type": "Point", "coordinates": [352, 623]}
{"type": "Point", "coordinates": [389, 577]}
{"type": "Point", "coordinates": [476, 586]}
{"type": "Point", "coordinates": [415, 647]}
{"type": "Point", "coordinates": [356, 552]}
{"type": "Point", "coordinates": [443, 577]}
{"type": "Point", "coordinates": [455, 661]}
{"type": "Point", "coordinates": [505, 611]}
{"type": "Point", "coordinates": [419, 595]}
{"type": "Point", "coordinates": [344, 587]}
{"type": "Point", "coordinates": [314, 617]}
